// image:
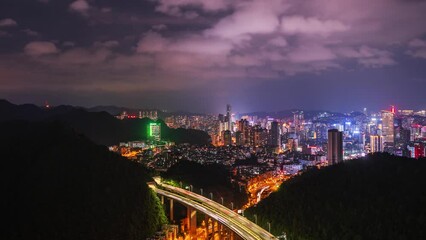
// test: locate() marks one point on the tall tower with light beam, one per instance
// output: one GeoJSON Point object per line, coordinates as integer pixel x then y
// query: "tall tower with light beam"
{"type": "Point", "coordinates": [229, 117]}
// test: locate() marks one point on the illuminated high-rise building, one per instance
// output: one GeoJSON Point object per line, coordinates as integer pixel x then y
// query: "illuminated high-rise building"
{"type": "Point", "coordinates": [275, 134]}
{"type": "Point", "coordinates": [243, 128]}
{"type": "Point", "coordinates": [388, 127]}
{"type": "Point", "coordinates": [239, 138]}
{"type": "Point", "coordinates": [258, 136]}
{"type": "Point", "coordinates": [221, 118]}
{"type": "Point", "coordinates": [227, 138]}
{"type": "Point", "coordinates": [335, 146]}
{"type": "Point", "coordinates": [402, 135]}
{"type": "Point", "coordinates": [416, 150]}
{"type": "Point", "coordinates": [228, 117]}
{"type": "Point", "coordinates": [419, 150]}
{"type": "Point", "coordinates": [376, 143]}
{"type": "Point", "coordinates": [154, 131]}
{"type": "Point", "coordinates": [297, 120]}
{"type": "Point", "coordinates": [148, 114]}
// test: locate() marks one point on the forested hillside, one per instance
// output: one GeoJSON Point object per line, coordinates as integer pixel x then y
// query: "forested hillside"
{"type": "Point", "coordinates": [380, 197]}
{"type": "Point", "coordinates": [56, 184]}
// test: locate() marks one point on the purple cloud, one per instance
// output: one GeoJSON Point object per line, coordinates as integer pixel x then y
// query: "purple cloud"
{"type": "Point", "coordinates": [80, 6]}
{"type": "Point", "coordinates": [301, 25]}
{"type": "Point", "coordinates": [40, 48]}
{"type": "Point", "coordinates": [8, 22]}
{"type": "Point", "coordinates": [417, 48]}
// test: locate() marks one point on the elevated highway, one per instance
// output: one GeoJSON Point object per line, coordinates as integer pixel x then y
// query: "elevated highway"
{"type": "Point", "coordinates": [240, 225]}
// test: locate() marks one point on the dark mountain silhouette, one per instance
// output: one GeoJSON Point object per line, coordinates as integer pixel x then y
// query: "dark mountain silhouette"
{"type": "Point", "coordinates": [380, 197]}
{"type": "Point", "coordinates": [101, 127]}
{"type": "Point", "coordinates": [113, 110]}
{"type": "Point", "coordinates": [57, 184]}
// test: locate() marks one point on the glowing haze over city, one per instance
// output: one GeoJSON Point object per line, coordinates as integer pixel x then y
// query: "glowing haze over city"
{"type": "Point", "coordinates": [198, 55]}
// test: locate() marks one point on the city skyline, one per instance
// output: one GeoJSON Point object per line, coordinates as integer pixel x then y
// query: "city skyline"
{"type": "Point", "coordinates": [200, 55]}
{"type": "Point", "coordinates": [145, 111]}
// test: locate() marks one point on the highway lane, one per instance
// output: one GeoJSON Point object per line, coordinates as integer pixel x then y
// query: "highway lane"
{"type": "Point", "coordinates": [249, 227]}
{"type": "Point", "coordinates": [220, 217]}
{"type": "Point", "coordinates": [242, 220]}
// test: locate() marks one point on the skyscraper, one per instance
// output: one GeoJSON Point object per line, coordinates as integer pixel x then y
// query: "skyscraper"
{"type": "Point", "coordinates": [243, 127]}
{"type": "Point", "coordinates": [297, 120]}
{"type": "Point", "coordinates": [154, 131]}
{"type": "Point", "coordinates": [376, 143]}
{"type": "Point", "coordinates": [402, 137]}
{"type": "Point", "coordinates": [388, 127]}
{"type": "Point", "coordinates": [275, 134]}
{"type": "Point", "coordinates": [229, 117]}
{"type": "Point", "coordinates": [335, 146]}
{"type": "Point", "coordinates": [239, 138]}
{"type": "Point", "coordinates": [227, 138]}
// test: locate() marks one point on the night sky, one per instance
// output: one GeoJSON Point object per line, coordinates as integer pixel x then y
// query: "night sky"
{"type": "Point", "coordinates": [198, 55]}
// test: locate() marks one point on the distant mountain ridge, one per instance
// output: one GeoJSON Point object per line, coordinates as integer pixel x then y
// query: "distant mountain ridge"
{"type": "Point", "coordinates": [10, 111]}
{"type": "Point", "coordinates": [289, 113]}
{"type": "Point", "coordinates": [114, 110]}
{"type": "Point", "coordinates": [100, 127]}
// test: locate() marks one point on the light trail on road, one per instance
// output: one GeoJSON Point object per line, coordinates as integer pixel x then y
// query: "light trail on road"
{"type": "Point", "coordinates": [238, 224]}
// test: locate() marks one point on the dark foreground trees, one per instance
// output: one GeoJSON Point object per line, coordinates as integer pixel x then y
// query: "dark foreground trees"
{"type": "Point", "coordinates": [380, 197]}
{"type": "Point", "coordinates": [213, 178]}
{"type": "Point", "coordinates": [56, 184]}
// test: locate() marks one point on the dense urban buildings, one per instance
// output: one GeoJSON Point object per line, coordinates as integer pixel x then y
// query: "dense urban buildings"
{"type": "Point", "coordinates": [398, 132]}
{"type": "Point", "coordinates": [317, 137]}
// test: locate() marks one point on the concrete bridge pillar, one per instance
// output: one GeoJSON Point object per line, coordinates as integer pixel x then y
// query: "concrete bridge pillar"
{"type": "Point", "coordinates": [171, 210]}
{"type": "Point", "coordinates": [214, 226]}
{"type": "Point", "coordinates": [222, 230]}
{"type": "Point", "coordinates": [207, 225]}
{"type": "Point", "coordinates": [192, 221]}
{"type": "Point", "coordinates": [232, 235]}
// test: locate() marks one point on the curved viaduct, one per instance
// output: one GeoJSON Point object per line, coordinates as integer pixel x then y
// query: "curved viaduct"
{"type": "Point", "coordinates": [238, 225]}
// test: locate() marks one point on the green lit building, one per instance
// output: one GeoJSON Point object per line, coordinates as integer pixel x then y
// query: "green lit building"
{"type": "Point", "coordinates": [154, 131]}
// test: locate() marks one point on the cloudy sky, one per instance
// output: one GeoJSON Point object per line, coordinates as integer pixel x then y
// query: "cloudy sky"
{"type": "Point", "coordinates": [198, 55]}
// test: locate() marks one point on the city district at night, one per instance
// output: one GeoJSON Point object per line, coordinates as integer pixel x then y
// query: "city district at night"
{"type": "Point", "coordinates": [213, 119]}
